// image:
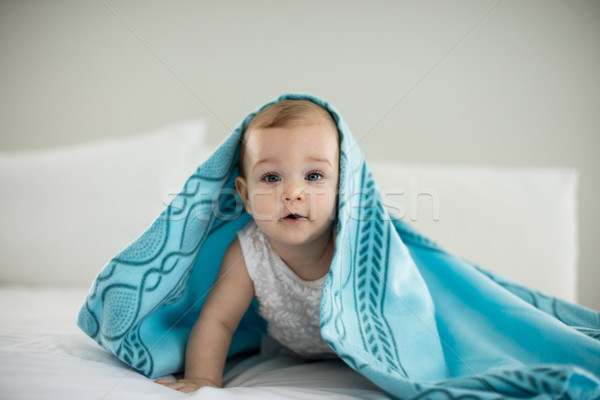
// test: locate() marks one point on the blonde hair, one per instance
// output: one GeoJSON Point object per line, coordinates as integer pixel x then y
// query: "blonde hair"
{"type": "Point", "coordinates": [282, 114]}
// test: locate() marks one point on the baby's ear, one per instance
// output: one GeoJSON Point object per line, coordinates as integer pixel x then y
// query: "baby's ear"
{"type": "Point", "coordinates": [242, 189]}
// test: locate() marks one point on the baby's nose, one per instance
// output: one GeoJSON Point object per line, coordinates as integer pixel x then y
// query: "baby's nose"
{"type": "Point", "coordinates": [293, 193]}
{"type": "Point", "coordinates": [294, 198]}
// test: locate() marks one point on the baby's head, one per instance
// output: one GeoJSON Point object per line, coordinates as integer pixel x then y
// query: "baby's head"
{"type": "Point", "coordinates": [289, 170]}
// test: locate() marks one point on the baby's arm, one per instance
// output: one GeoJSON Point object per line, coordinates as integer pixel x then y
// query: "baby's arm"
{"type": "Point", "coordinates": [210, 338]}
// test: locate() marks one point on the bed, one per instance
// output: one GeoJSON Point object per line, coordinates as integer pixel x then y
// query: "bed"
{"type": "Point", "coordinates": [89, 201]}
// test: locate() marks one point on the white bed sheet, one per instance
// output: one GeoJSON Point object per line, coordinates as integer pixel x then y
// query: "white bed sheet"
{"type": "Point", "coordinates": [43, 355]}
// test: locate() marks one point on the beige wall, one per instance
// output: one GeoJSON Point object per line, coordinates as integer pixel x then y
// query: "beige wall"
{"type": "Point", "coordinates": [503, 83]}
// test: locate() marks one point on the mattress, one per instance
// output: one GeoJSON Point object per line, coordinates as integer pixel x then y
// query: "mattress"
{"type": "Point", "coordinates": [43, 355]}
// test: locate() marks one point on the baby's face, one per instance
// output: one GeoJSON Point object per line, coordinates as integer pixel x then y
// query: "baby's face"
{"type": "Point", "coordinates": [291, 181]}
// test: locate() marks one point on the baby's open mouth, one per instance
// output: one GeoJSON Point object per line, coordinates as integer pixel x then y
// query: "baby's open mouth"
{"type": "Point", "coordinates": [293, 216]}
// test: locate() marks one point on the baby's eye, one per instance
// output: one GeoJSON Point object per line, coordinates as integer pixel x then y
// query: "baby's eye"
{"type": "Point", "coordinates": [271, 178]}
{"type": "Point", "coordinates": [313, 176]}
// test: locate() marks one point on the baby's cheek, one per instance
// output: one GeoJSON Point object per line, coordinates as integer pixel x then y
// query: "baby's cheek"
{"type": "Point", "coordinates": [328, 205]}
{"type": "Point", "coordinates": [333, 205]}
{"type": "Point", "coordinates": [265, 206]}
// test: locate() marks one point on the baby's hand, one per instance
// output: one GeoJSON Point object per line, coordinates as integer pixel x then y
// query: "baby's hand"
{"type": "Point", "coordinates": [187, 385]}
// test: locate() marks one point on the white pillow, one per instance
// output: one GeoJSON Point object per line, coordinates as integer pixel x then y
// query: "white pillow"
{"type": "Point", "coordinates": [518, 222]}
{"type": "Point", "coordinates": [66, 211]}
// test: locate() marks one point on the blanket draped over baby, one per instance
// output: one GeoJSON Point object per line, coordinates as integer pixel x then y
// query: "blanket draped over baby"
{"type": "Point", "coordinates": [414, 319]}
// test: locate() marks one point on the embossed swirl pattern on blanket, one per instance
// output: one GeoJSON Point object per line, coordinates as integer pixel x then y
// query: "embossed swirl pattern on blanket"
{"type": "Point", "coordinates": [160, 263]}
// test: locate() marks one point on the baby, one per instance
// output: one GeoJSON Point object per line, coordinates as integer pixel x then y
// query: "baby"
{"type": "Point", "coordinates": [289, 170]}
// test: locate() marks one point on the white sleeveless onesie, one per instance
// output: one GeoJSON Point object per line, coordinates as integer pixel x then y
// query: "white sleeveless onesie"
{"type": "Point", "coordinates": [289, 304]}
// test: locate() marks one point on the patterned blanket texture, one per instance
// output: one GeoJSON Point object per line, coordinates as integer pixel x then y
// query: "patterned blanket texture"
{"type": "Point", "coordinates": [417, 321]}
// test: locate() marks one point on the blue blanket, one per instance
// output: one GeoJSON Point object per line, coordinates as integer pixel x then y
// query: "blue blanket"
{"type": "Point", "coordinates": [415, 320]}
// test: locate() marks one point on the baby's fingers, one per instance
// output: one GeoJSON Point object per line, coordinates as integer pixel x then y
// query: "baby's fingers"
{"type": "Point", "coordinates": [184, 387]}
{"type": "Point", "coordinates": [169, 383]}
{"type": "Point", "coordinates": [187, 388]}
